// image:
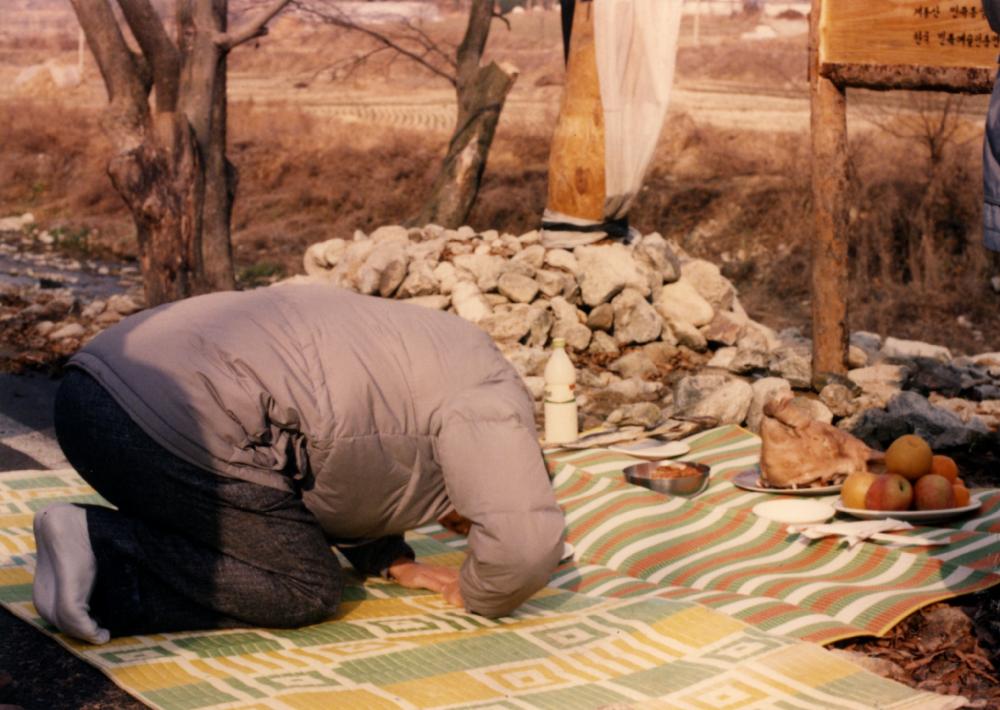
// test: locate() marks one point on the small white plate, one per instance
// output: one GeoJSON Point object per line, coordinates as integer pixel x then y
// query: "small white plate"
{"type": "Point", "coordinates": [749, 480]}
{"type": "Point", "coordinates": [916, 516]}
{"type": "Point", "coordinates": [794, 511]}
{"type": "Point", "coordinates": [653, 449]}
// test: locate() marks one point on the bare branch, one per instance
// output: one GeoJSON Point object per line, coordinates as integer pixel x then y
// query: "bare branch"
{"type": "Point", "coordinates": [253, 28]}
{"type": "Point", "coordinates": [470, 51]}
{"type": "Point", "coordinates": [121, 75]}
{"type": "Point", "coordinates": [159, 50]}
{"type": "Point", "coordinates": [332, 15]}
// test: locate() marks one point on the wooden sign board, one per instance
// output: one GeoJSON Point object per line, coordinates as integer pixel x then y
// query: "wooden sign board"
{"type": "Point", "coordinates": [948, 41]}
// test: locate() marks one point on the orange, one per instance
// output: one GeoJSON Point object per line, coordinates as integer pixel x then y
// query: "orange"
{"type": "Point", "coordinates": [961, 495]}
{"type": "Point", "coordinates": [944, 466]}
{"type": "Point", "coordinates": [909, 456]}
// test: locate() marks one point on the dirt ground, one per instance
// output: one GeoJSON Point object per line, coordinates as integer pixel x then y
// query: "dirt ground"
{"type": "Point", "coordinates": [323, 151]}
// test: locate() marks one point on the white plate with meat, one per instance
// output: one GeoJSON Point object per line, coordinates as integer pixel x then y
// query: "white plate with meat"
{"type": "Point", "coordinates": [750, 480]}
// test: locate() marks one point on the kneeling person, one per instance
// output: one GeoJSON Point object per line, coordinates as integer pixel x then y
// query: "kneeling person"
{"type": "Point", "coordinates": [240, 434]}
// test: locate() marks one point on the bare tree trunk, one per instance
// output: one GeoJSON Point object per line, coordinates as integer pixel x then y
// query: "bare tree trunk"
{"type": "Point", "coordinates": [170, 164]}
{"type": "Point", "coordinates": [457, 184]}
{"type": "Point", "coordinates": [481, 93]}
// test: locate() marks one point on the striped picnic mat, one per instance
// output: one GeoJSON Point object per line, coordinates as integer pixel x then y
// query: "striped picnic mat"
{"type": "Point", "coordinates": [713, 550]}
{"type": "Point", "coordinates": [396, 648]}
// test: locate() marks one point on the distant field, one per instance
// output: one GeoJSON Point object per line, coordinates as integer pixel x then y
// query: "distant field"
{"type": "Point", "coordinates": [323, 151]}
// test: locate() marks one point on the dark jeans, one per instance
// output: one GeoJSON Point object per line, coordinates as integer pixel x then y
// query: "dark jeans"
{"type": "Point", "coordinates": [187, 549]}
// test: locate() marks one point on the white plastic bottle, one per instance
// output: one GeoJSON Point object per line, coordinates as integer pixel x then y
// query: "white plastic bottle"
{"type": "Point", "coordinates": [560, 396]}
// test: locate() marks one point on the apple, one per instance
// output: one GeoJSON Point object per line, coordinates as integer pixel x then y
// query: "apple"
{"type": "Point", "coordinates": [933, 492]}
{"type": "Point", "coordinates": [855, 488]}
{"type": "Point", "coordinates": [889, 491]}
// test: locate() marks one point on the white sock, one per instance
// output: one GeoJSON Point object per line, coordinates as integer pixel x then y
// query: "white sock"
{"type": "Point", "coordinates": [65, 572]}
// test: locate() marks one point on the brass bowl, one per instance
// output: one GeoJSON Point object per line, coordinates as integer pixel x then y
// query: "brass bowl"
{"type": "Point", "coordinates": [641, 474]}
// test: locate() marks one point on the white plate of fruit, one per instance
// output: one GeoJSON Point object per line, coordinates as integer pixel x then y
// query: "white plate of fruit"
{"type": "Point", "coordinates": [917, 485]}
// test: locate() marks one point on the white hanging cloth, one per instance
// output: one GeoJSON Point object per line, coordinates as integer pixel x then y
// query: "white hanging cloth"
{"type": "Point", "coordinates": [636, 46]}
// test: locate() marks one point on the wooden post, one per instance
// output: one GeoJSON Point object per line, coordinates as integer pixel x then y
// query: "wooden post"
{"type": "Point", "coordinates": [576, 157]}
{"type": "Point", "coordinates": [828, 106]}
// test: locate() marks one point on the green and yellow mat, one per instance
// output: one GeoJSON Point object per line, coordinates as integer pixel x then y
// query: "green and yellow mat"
{"type": "Point", "coordinates": [669, 603]}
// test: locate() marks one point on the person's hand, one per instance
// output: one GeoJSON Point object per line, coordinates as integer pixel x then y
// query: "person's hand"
{"type": "Point", "coordinates": [453, 594]}
{"type": "Point", "coordinates": [417, 575]}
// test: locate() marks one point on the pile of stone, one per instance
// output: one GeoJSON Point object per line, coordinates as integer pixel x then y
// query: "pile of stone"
{"type": "Point", "coordinates": [659, 335]}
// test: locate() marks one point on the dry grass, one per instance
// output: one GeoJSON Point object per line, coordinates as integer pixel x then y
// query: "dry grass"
{"type": "Point", "coordinates": [740, 198]}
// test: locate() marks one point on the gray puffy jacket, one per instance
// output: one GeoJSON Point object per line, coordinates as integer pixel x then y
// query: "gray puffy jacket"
{"type": "Point", "coordinates": [386, 415]}
{"type": "Point", "coordinates": [991, 149]}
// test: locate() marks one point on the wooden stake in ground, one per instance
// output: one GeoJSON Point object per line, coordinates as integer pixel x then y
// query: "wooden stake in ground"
{"type": "Point", "coordinates": [576, 161]}
{"type": "Point", "coordinates": [828, 104]}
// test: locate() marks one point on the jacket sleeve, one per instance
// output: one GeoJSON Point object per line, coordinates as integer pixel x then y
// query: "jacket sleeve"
{"type": "Point", "coordinates": [495, 476]}
{"type": "Point", "coordinates": [373, 557]}
{"type": "Point", "coordinates": [991, 8]}
{"type": "Point", "coordinates": [991, 171]}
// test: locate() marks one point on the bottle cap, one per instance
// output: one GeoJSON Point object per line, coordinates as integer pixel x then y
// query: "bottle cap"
{"type": "Point", "coordinates": [559, 342]}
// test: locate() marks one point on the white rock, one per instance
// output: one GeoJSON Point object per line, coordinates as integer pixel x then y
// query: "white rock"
{"type": "Point", "coordinates": [44, 327]}
{"type": "Point", "coordinates": [46, 238]}
{"type": "Point", "coordinates": [67, 330]}
{"type": "Point", "coordinates": [518, 288]}
{"type": "Point", "coordinates": [566, 311]}
{"type": "Point", "coordinates": [681, 302]}
{"type": "Point", "coordinates": [562, 259]}
{"type": "Point", "coordinates": [14, 224]}
{"type": "Point", "coordinates": [485, 268]}
{"type": "Point", "coordinates": [468, 301]}
{"type": "Point", "coordinates": [603, 344]}
{"type": "Point", "coordinates": [644, 414]}
{"type": "Point", "coordinates": [435, 301]}
{"type": "Point", "coordinates": [527, 361]}
{"type": "Point", "coordinates": [601, 317]}
{"type": "Point", "coordinates": [123, 304]}
{"type": "Point", "coordinates": [483, 250]}
{"type": "Point", "coordinates": [709, 282]}
{"type": "Point", "coordinates": [384, 269]}
{"type": "Point", "coordinates": [510, 323]}
{"type": "Point", "coordinates": [576, 334]}
{"type": "Point", "coordinates": [656, 251]}
{"type": "Point", "coordinates": [429, 250]}
{"type": "Point", "coordinates": [881, 382]}
{"type": "Point", "coordinates": [94, 308]}
{"type": "Point", "coordinates": [419, 281]}
{"type": "Point", "coordinates": [605, 270]}
{"type": "Point", "coordinates": [529, 238]}
{"type": "Point", "coordinates": [838, 398]}
{"type": "Point", "coordinates": [722, 398]}
{"type": "Point", "coordinates": [635, 320]}
{"type": "Point", "coordinates": [551, 283]}
{"type": "Point", "coordinates": [904, 349]}
{"type": "Point", "coordinates": [496, 299]}
{"type": "Point", "coordinates": [521, 267]}
{"type": "Point", "coordinates": [687, 334]}
{"type": "Point", "coordinates": [533, 255]}
{"type": "Point", "coordinates": [446, 276]}
{"type": "Point", "coordinates": [726, 328]}
{"type": "Point", "coordinates": [792, 365]}
{"type": "Point", "coordinates": [540, 321]}
{"type": "Point", "coordinates": [764, 390]}
{"type": "Point", "coordinates": [723, 358]}
{"type": "Point", "coordinates": [856, 357]}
